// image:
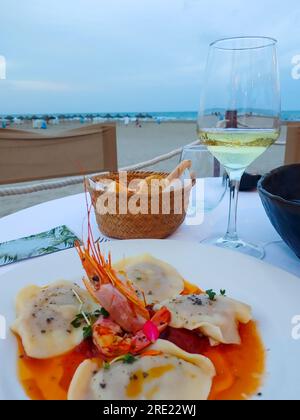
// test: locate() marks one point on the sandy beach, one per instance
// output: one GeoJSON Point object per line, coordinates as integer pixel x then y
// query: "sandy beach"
{"type": "Point", "coordinates": [139, 144]}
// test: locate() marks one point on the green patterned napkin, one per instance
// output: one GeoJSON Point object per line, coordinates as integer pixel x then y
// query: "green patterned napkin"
{"type": "Point", "coordinates": [57, 239]}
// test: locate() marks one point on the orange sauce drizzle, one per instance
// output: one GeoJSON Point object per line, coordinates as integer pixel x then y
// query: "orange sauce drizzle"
{"type": "Point", "coordinates": [49, 379]}
{"type": "Point", "coordinates": [240, 368]}
{"type": "Point", "coordinates": [190, 289]}
{"type": "Point", "coordinates": [135, 387]}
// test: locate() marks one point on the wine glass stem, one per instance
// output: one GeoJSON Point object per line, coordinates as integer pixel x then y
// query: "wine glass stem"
{"type": "Point", "coordinates": [234, 184]}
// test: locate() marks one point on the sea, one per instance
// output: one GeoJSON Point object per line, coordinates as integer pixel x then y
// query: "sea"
{"type": "Point", "coordinates": [192, 115]}
{"type": "Point", "coordinates": [285, 115]}
{"type": "Point", "coordinates": [160, 116]}
{"type": "Point", "coordinates": [182, 115]}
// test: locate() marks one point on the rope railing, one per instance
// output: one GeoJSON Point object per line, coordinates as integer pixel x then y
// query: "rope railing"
{"type": "Point", "coordinates": [44, 186]}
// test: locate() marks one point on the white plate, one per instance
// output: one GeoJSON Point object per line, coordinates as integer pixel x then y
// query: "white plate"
{"type": "Point", "coordinates": [273, 294]}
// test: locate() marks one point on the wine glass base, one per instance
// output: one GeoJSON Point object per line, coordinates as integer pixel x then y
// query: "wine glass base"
{"type": "Point", "coordinates": [243, 247]}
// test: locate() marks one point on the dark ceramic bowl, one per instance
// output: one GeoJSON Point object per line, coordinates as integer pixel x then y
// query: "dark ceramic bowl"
{"type": "Point", "coordinates": [280, 194]}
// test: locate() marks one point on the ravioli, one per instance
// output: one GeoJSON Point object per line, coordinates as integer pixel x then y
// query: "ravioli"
{"type": "Point", "coordinates": [155, 278]}
{"type": "Point", "coordinates": [171, 375]}
{"type": "Point", "coordinates": [44, 316]}
{"type": "Point", "coordinates": [217, 319]}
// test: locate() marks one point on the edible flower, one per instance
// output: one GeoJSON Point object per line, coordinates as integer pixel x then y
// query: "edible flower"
{"type": "Point", "coordinates": [151, 331]}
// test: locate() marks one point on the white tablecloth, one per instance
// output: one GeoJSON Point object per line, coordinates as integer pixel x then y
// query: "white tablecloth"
{"type": "Point", "coordinates": [254, 226]}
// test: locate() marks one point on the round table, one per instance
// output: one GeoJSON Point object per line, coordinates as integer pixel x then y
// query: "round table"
{"type": "Point", "coordinates": [254, 226]}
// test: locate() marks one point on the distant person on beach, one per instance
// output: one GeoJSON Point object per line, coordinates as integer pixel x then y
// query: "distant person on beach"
{"type": "Point", "coordinates": [137, 123]}
{"type": "Point", "coordinates": [126, 121]}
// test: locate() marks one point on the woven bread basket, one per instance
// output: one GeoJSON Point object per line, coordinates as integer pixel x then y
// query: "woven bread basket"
{"type": "Point", "coordinates": [139, 226]}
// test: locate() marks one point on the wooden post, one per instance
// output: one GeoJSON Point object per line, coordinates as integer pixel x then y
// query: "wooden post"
{"type": "Point", "coordinates": [292, 151]}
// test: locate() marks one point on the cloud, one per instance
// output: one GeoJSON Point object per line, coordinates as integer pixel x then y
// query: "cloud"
{"type": "Point", "coordinates": [126, 54]}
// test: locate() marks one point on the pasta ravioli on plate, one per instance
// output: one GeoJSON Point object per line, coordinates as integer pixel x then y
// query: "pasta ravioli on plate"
{"type": "Point", "coordinates": [216, 318]}
{"type": "Point", "coordinates": [171, 374]}
{"type": "Point", "coordinates": [138, 331]}
{"type": "Point", "coordinates": [155, 278]}
{"type": "Point", "coordinates": [44, 316]}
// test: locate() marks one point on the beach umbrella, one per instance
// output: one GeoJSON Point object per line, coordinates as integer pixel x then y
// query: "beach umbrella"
{"type": "Point", "coordinates": [107, 116]}
{"type": "Point", "coordinates": [9, 117]}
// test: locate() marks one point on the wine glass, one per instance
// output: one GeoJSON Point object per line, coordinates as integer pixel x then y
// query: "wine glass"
{"type": "Point", "coordinates": [239, 116]}
{"type": "Point", "coordinates": [207, 168]}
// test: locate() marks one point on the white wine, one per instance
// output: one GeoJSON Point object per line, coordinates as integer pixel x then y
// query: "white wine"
{"type": "Point", "coordinates": [237, 148]}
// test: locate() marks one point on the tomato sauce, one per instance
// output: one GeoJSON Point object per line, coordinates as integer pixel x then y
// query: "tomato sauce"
{"type": "Point", "coordinates": [239, 368]}
{"type": "Point", "coordinates": [49, 379]}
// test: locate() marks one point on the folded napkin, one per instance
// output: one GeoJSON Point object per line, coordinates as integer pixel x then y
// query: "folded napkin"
{"type": "Point", "coordinates": [54, 240]}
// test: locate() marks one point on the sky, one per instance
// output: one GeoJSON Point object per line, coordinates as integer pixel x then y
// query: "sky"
{"type": "Point", "coordinates": [129, 55]}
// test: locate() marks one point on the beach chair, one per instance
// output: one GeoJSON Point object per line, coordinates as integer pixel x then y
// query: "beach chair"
{"type": "Point", "coordinates": [292, 152]}
{"type": "Point", "coordinates": [26, 155]}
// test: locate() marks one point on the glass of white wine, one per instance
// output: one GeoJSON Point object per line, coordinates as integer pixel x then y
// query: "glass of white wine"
{"type": "Point", "coordinates": [239, 116]}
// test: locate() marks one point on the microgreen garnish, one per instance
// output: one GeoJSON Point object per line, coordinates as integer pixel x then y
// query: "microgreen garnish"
{"type": "Point", "coordinates": [76, 323]}
{"type": "Point", "coordinates": [89, 318]}
{"type": "Point", "coordinates": [79, 300]}
{"type": "Point", "coordinates": [87, 332]}
{"type": "Point", "coordinates": [126, 358]}
{"type": "Point", "coordinates": [106, 365]}
{"type": "Point", "coordinates": [129, 359]}
{"type": "Point", "coordinates": [223, 292]}
{"type": "Point", "coordinates": [211, 294]}
{"type": "Point", "coordinates": [104, 313]}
